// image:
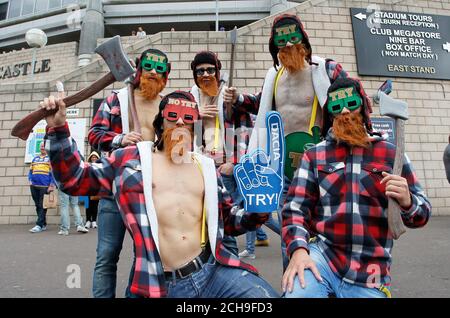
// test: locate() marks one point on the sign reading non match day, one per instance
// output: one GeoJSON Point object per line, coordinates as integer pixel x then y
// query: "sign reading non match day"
{"type": "Point", "coordinates": [401, 44]}
{"type": "Point", "coordinates": [384, 125]}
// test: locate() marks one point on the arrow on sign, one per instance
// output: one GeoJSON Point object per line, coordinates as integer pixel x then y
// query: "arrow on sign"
{"type": "Point", "coordinates": [361, 16]}
{"type": "Point", "coordinates": [446, 47]}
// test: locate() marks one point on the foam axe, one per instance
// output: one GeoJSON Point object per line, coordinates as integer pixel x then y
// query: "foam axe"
{"type": "Point", "coordinates": [120, 69]}
{"type": "Point", "coordinates": [398, 110]}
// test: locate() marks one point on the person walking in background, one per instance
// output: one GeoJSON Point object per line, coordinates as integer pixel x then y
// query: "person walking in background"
{"type": "Point", "coordinates": [133, 33]}
{"type": "Point", "coordinates": [91, 211]}
{"type": "Point", "coordinates": [447, 160]}
{"type": "Point", "coordinates": [41, 182]}
{"type": "Point", "coordinates": [65, 201]}
{"type": "Point", "coordinates": [141, 33]}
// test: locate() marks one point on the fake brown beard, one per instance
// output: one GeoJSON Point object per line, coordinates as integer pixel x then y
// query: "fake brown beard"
{"type": "Point", "coordinates": [208, 84]}
{"type": "Point", "coordinates": [349, 128]}
{"type": "Point", "coordinates": [293, 57]}
{"type": "Point", "coordinates": [177, 143]}
{"type": "Point", "coordinates": [151, 85]}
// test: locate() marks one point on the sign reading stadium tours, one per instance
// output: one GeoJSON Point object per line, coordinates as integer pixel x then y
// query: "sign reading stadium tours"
{"type": "Point", "coordinates": [401, 44]}
{"type": "Point", "coordinates": [23, 69]}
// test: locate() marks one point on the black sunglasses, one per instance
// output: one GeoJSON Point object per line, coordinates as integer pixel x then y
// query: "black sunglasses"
{"type": "Point", "coordinates": [201, 71]}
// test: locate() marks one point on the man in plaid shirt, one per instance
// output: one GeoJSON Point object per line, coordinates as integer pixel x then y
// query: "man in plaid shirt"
{"type": "Point", "coordinates": [113, 128]}
{"type": "Point", "coordinates": [296, 87]}
{"type": "Point", "coordinates": [177, 213]}
{"type": "Point", "coordinates": [335, 216]}
{"type": "Point", "coordinates": [232, 133]}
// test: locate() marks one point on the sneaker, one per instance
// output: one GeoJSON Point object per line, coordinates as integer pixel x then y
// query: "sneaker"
{"type": "Point", "coordinates": [262, 243]}
{"type": "Point", "coordinates": [36, 229]}
{"type": "Point", "coordinates": [246, 254]}
{"type": "Point", "coordinates": [63, 232]}
{"type": "Point", "coordinates": [88, 224]}
{"type": "Point", "coordinates": [82, 229]}
{"type": "Point", "coordinates": [94, 225]}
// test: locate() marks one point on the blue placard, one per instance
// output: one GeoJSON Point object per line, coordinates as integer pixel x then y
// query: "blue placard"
{"type": "Point", "coordinates": [259, 175]}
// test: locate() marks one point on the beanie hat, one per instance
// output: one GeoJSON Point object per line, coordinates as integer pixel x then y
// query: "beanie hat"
{"type": "Point", "coordinates": [159, 119]}
{"type": "Point", "coordinates": [208, 57]}
{"type": "Point", "coordinates": [327, 118]}
{"type": "Point", "coordinates": [286, 19]}
{"type": "Point", "coordinates": [137, 78]}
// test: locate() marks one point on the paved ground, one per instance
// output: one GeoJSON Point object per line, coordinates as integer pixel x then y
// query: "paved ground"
{"type": "Point", "coordinates": [41, 265]}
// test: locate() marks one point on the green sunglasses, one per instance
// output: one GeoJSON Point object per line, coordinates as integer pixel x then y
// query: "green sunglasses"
{"type": "Point", "coordinates": [159, 67]}
{"type": "Point", "coordinates": [337, 101]}
{"type": "Point", "coordinates": [282, 40]}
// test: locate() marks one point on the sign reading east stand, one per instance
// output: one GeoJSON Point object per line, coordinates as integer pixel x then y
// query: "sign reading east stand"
{"type": "Point", "coordinates": [401, 44]}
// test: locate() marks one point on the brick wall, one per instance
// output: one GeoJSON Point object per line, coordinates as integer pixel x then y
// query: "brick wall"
{"type": "Point", "coordinates": [64, 58]}
{"type": "Point", "coordinates": [328, 25]}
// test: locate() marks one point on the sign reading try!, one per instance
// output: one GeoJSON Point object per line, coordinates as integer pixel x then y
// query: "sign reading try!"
{"type": "Point", "coordinates": [401, 44]}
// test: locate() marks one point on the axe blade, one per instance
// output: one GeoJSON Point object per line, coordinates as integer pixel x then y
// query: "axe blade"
{"type": "Point", "coordinates": [112, 52]}
{"type": "Point", "coordinates": [393, 107]}
{"type": "Point", "coordinates": [233, 35]}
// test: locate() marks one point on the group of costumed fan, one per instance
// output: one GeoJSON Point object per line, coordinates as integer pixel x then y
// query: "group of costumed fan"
{"type": "Point", "coordinates": [183, 217]}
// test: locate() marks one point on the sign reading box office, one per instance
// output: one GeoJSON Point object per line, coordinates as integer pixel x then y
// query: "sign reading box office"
{"type": "Point", "coordinates": [401, 44]}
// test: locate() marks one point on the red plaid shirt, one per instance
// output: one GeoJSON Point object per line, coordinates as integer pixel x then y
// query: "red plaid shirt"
{"type": "Point", "coordinates": [119, 175]}
{"type": "Point", "coordinates": [336, 196]}
{"type": "Point", "coordinates": [106, 129]}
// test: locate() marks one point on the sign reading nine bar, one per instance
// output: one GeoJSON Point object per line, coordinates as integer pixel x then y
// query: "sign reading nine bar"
{"type": "Point", "coordinates": [401, 44]}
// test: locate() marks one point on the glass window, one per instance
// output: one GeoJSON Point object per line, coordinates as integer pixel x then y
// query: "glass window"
{"type": "Point", "coordinates": [28, 7]}
{"type": "Point", "coordinates": [3, 10]}
{"type": "Point", "coordinates": [14, 8]}
{"type": "Point", "coordinates": [52, 4]}
{"type": "Point", "coordinates": [67, 2]}
{"type": "Point", "coordinates": [41, 6]}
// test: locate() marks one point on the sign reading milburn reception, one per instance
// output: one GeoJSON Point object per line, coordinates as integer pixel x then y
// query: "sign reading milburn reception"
{"type": "Point", "coordinates": [401, 44]}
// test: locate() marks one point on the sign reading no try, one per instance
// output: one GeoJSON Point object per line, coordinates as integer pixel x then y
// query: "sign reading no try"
{"type": "Point", "coordinates": [401, 44]}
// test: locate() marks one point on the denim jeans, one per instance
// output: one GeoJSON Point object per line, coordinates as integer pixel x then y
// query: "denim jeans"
{"type": "Point", "coordinates": [65, 200]}
{"type": "Point", "coordinates": [217, 281]}
{"type": "Point", "coordinates": [284, 257]}
{"type": "Point", "coordinates": [37, 193]}
{"type": "Point", "coordinates": [230, 184]}
{"type": "Point", "coordinates": [111, 232]}
{"type": "Point", "coordinates": [332, 284]}
{"type": "Point", "coordinates": [259, 234]}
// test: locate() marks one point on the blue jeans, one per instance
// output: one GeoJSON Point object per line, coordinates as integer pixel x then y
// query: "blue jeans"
{"type": "Point", "coordinates": [65, 200]}
{"type": "Point", "coordinates": [217, 281]}
{"type": "Point", "coordinates": [230, 184]}
{"type": "Point", "coordinates": [332, 284]}
{"type": "Point", "coordinates": [259, 234]}
{"type": "Point", "coordinates": [284, 257]}
{"type": "Point", "coordinates": [37, 193]}
{"type": "Point", "coordinates": [111, 232]}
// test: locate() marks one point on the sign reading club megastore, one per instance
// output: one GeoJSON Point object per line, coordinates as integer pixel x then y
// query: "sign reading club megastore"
{"type": "Point", "coordinates": [401, 44]}
{"type": "Point", "coordinates": [23, 69]}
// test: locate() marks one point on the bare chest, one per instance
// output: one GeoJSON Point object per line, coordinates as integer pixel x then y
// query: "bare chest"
{"type": "Point", "coordinates": [294, 99]}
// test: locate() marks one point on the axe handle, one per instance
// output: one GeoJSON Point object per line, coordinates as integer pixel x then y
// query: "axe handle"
{"type": "Point", "coordinates": [24, 127]}
{"type": "Point", "coordinates": [395, 222]}
{"type": "Point", "coordinates": [229, 111]}
{"type": "Point", "coordinates": [132, 106]}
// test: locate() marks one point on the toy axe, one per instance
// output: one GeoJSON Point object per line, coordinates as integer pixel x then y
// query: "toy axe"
{"type": "Point", "coordinates": [398, 110]}
{"type": "Point", "coordinates": [120, 69]}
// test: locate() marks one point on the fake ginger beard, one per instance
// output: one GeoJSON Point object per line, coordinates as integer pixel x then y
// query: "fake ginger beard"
{"type": "Point", "coordinates": [209, 85]}
{"type": "Point", "coordinates": [151, 85]}
{"type": "Point", "coordinates": [177, 143]}
{"type": "Point", "coordinates": [293, 57]}
{"type": "Point", "coordinates": [349, 128]}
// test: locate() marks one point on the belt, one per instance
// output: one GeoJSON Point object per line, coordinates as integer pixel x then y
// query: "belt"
{"type": "Point", "coordinates": [192, 266]}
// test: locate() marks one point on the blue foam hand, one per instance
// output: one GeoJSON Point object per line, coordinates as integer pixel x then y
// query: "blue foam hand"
{"type": "Point", "coordinates": [260, 175]}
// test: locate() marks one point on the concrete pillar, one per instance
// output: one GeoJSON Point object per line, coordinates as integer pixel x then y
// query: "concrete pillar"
{"type": "Point", "coordinates": [277, 6]}
{"type": "Point", "coordinates": [93, 27]}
